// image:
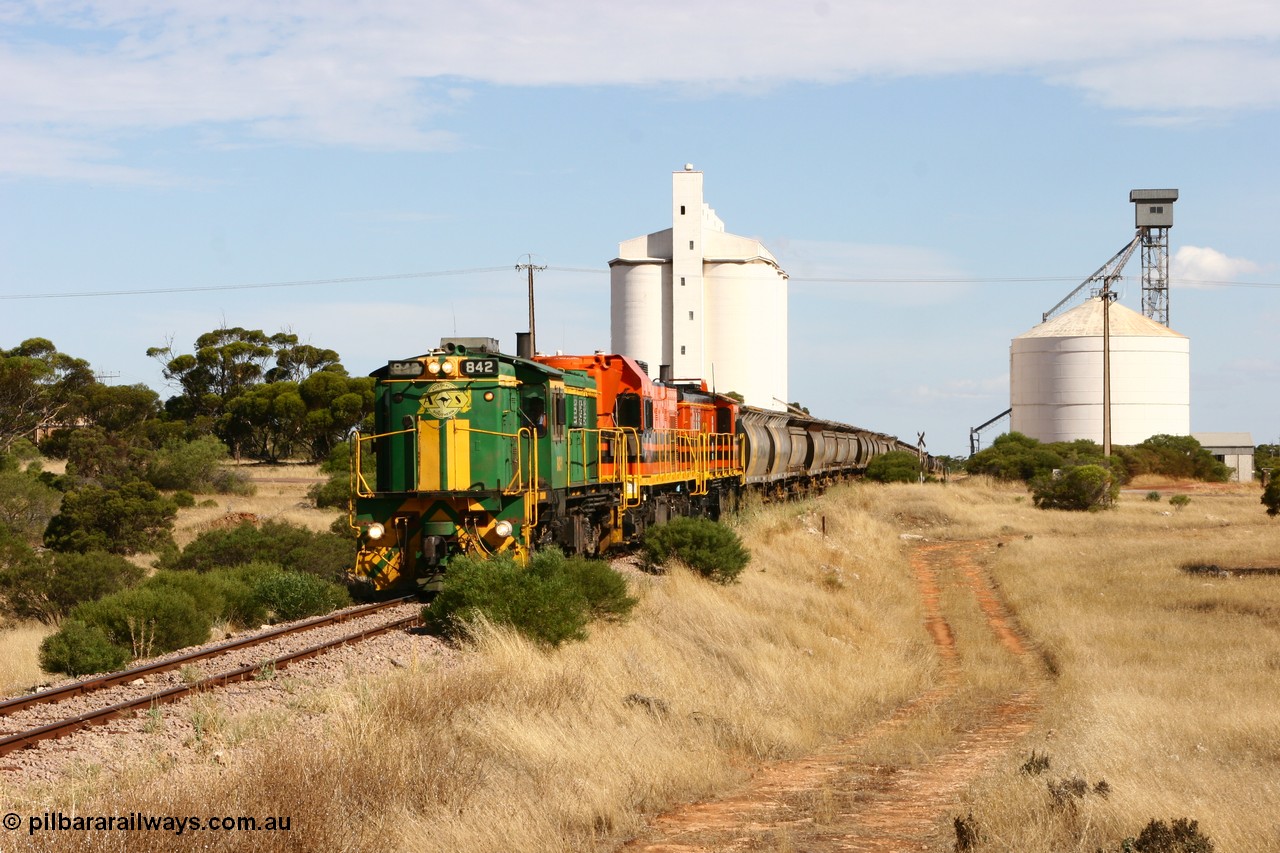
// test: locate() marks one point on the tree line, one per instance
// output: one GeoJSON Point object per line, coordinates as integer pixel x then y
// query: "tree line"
{"type": "Point", "coordinates": [132, 460]}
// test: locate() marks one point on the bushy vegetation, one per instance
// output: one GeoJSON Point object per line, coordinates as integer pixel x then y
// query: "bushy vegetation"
{"type": "Point", "coordinates": [174, 609]}
{"type": "Point", "coordinates": [710, 549]}
{"type": "Point", "coordinates": [896, 466]}
{"type": "Point", "coordinates": [196, 466]}
{"type": "Point", "coordinates": [130, 519]}
{"type": "Point", "coordinates": [80, 649]}
{"type": "Point", "coordinates": [26, 503]}
{"type": "Point", "coordinates": [1271, 496]}
{"type": "Point", "coordinates": [1266, 456]}
{"type": "Point", "coordinates": [47, 586]}
{"type": "Point", "coordinates": [149, 619]}
{"type": "Point", "coordinates": [295, 548]}
{"type": "Point", "coordinates": [293, 595]}
{"type": "Point", "coordinates": [336, 491]}
{"type": "Point", "coordinates": [241, 392]}
{"type": "Point", "coordinates": [1173, 456]}
{"type": "Point", "coordinates": [1085, 487]}
{"type": "Point", "coordinates": [552, 600]}
{"type": "Point", "coordinates": [1014, 456]}
{"type": "Point", "coordinates": [1180, 836]}
{"type": "Point", "coordinates": [266, 396]}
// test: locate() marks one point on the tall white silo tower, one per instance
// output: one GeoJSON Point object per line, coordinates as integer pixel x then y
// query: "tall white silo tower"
{"type": "Point", "coordinates": [712, 305]}
{"type": "Point", "coordinates": [1056, 377]}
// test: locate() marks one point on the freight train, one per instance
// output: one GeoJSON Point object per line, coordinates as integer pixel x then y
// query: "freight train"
{"type": "Point", "coordinates": [480, 452]}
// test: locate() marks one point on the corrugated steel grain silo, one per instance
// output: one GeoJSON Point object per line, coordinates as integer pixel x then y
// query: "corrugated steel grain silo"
{"type": "Point", "coordinates": [1055, 377]}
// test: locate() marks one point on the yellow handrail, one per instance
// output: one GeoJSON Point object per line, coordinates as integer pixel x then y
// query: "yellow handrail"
{"type": "Point", "coordinates": [669, 455]}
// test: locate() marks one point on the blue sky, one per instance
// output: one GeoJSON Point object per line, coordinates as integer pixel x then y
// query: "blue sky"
{"type": "Point", "coordinates": [150, 145]}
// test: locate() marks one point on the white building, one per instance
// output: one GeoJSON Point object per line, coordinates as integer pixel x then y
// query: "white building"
{"type": "Point", "coordinates": [710, 304]}
{"type": "Point", "coordinates": [1055, 377]}
{"type": "Point", "coordinates": [1233, 449]}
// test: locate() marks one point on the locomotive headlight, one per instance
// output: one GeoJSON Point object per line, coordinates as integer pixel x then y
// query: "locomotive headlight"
{"type": "Point", "coordinates": [502, 528]}
{"type": "Point", "coordinates": [375, 531]}
{"type": "Point", "coordinates": [433, 368]}
{"type": "Point", "coordinates": [446, 368]}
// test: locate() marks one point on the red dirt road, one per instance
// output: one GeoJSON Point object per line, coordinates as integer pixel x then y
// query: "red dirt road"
{"type": "Point", "coordinates": [834, 800]}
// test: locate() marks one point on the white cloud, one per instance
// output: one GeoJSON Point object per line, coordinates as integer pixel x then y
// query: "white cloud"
{"type": "Point", "coordinates": [1201, 267]}
{"type": "Point", "coordinates": [383, 75]}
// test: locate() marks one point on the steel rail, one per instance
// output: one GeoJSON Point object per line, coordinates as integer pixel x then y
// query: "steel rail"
{"type": "Point", "coordinates": [70, 725]}
{"type": "Point", "coordinates": [111, 679]}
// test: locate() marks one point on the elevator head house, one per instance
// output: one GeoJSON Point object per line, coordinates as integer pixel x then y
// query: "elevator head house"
{"type": "Point", "coordinates": [1153, 208]}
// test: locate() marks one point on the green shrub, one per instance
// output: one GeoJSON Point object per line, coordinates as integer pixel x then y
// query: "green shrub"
{"type": "Point", "coordinates": [131, 519]}
{"type": "Point", "coordinates": [183, 499]}
{"type": "Point", "coordinates": [80, 649]}
{"type": "Point", "coordinates": [1179, 501]}
{"type": "Point", "coordinates": [1271, 496]}
{"type": "Point", "coordinates": [1154, 497]}
{"type": "Point", "coordinates": [1173, 456]}
{"type": "Point", "coordinates": [293, 595]}
{"type": "Point", "coordinates": [896, 466]}
{"type": "Point", "coordinates": [26, 504]}
{"type": "Point", "coordinates": [325, 555]}
{"type": "Point", "coordinates": [46, 587]}
{"type": "Point", "coordinates": [224, 595]}
{"type": "Point", "coordinates": [1014, 456]}
{"type": "Point", "coordinates": [190, 465]}
{"type": "Point", "coordinates": [108, 458]}
{"type": "Point", "coordinates": [232, 481]}
{"type": "Point", "coordinates": [551, 601]}
{"type": "Point", "coordinates": [148, 620]}
{"type": "Point", "coordinates": [604, 589]}
{"type": "Point", "coordinates": [545, 606]}
{"type": "Point", "coordinates": [1182, 836]}
{"type": "Point", "coordinates": [712, 550]}
{"type": "Point", "coordinates": [334, 492]}
{"type": "Point", "coordinates": [1087, 487]}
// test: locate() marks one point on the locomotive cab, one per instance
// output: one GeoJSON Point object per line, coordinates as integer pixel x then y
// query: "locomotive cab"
{"type": "Point", "coordinates": [468, 443]}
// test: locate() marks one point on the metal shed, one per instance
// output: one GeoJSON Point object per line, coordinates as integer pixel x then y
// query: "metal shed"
{"type": "Point", "coordinates": [1234, 449]}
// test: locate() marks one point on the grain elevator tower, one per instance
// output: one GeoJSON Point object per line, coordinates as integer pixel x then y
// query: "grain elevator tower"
{"type": "Point", "coordinates": [712, 305]}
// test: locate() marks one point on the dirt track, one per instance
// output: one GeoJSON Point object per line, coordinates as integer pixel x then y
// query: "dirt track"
{"type": "Point", "coordinates": [834, 799]}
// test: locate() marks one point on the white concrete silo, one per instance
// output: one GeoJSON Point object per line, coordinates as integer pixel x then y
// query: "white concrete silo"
{"type": "Point", "coordinates": [1056, 384]}
{"type": "Point", "coordinates": [713, 305]}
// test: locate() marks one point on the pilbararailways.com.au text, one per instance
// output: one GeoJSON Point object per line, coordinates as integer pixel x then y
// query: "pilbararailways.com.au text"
{"type": "Point", "coordinates": [141, 822]}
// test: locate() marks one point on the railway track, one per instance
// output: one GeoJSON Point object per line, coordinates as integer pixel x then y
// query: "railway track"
{"type": "Point", "coordinates": [61, 728]}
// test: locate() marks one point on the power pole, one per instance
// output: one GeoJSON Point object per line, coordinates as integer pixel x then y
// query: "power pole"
{"type": "Point", "coordinates": [531, 268]}
{"type": "Point", "coordinates": [1106, 368]}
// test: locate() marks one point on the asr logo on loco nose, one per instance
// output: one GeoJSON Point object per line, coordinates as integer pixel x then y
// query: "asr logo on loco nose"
{"type": "Point", "coordinates": [444, 400]}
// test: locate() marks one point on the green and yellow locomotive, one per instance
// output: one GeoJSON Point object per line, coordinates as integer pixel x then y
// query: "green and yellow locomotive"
{"type": "Point", "coordinates": [468, 442]}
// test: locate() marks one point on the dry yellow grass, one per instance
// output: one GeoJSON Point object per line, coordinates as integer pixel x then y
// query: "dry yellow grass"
{"type": "Point", "coordinates": [279, 495]}
{"type": "Point", "coordinates": [521, 748]}
{"type": "Point", "coordinates": [1165, 681]}
{"type": "Point", "coordinates": [1162, 685]}
{"type": "Point", "coordinates": [19, 656]}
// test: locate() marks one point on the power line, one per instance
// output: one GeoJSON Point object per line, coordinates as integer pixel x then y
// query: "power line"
{"type": "Point", "coordinates": [256, 286]}
{"type": "Point", "coordinates": [85, 294]}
